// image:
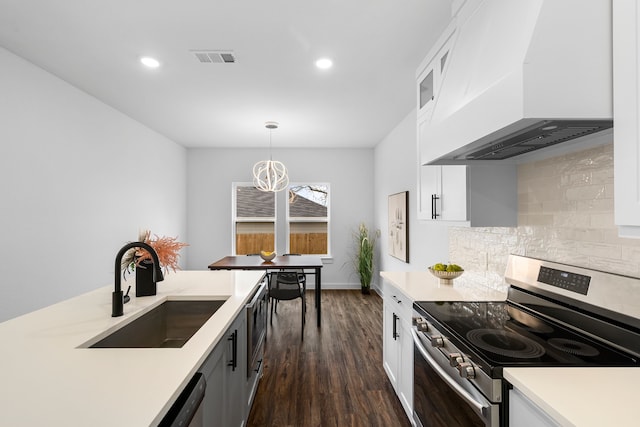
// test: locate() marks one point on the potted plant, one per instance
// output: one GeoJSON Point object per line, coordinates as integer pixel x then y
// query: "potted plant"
{"type": "Point", "coordinates": [140, 261]}
{"type": "Point", "coordinates": [365, 247]}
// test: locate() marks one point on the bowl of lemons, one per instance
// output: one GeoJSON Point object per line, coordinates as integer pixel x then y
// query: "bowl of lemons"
{"type": "Point", "coordinates": [267, 256]}
{"type": "Point", "coordinates": [446, 272]}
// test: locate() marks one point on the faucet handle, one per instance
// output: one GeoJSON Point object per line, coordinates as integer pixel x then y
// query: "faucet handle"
{"type": "Point", "coordinates": [126, 297]}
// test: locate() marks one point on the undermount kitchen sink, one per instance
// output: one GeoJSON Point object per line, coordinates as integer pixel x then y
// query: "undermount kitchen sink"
{"type": "Point", "coordinates": [169, 325]}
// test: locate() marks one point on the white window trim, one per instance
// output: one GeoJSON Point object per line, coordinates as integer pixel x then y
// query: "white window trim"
{"type": "Point", "coordinates": [326, 219]}
{"type": "Point", "coordinates": [235, 219]}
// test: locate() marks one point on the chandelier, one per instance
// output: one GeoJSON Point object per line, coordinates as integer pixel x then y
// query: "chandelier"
{"type": "Point", "coordinates": [270, 175]}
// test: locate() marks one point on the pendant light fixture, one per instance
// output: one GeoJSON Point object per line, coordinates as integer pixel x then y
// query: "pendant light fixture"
{"type": "Point", "coordinates": [270, 175]}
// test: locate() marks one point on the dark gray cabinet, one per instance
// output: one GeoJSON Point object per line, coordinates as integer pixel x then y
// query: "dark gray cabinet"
{"type": "Point", "coordinates": [225, 371]}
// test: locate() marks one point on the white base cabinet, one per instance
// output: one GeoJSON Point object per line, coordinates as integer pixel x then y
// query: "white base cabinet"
{"type": "Point", "coordinates": [398, 345]}
{"type": "Point", "coordinates": [524, 413]}
{"type": "Point", "coordinates": [225, 371]}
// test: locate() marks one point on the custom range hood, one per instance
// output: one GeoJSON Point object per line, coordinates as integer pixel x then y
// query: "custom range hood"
{"type": "Point", "coordinates": [521, 76]}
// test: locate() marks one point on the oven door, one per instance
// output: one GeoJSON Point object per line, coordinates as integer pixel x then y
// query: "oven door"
{"type": "Point", "coordinates": [441, 399]}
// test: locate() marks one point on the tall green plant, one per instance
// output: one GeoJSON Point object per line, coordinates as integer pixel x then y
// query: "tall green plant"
{"type": "Point", "coordinates": [364, 256]}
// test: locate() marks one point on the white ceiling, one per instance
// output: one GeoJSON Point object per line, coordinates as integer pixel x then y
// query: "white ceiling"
{"type": "Point", "coordinates": [376, 46]}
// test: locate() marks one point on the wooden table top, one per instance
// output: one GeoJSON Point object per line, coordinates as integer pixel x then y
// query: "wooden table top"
{"type": "Point", "coordinates": [245, 262]}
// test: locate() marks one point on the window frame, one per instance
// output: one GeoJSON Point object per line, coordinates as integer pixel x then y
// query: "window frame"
{"type": "Point", "coordinates": [289, 219]}
{"type": "Point", "coordinates": [235, 219]}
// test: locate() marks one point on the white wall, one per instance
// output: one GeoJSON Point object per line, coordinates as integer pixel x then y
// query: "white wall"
{"type": "Point", "coordinates": [395, 165]}
{"type": "Point", "coordinates": [212, 171]}
{"type": "Point", "coordinates": [78, 179]}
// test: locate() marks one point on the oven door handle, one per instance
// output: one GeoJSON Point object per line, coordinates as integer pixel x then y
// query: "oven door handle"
{"type": "Point", "coordinates": [479, 406]}
{"type": "Point", "coordinates": [257, 296]}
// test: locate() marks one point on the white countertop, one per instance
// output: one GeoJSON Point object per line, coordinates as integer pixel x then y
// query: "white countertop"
{"type": "Point", "coordinates": [47, 380]}
{"type": "Point", "coordinates": [584, 397]}
{"type": "Point", "coordinates": [423, 286]}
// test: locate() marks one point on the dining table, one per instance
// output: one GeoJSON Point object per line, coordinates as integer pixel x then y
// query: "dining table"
{"type": "Point", "coordinates": [304, 262]}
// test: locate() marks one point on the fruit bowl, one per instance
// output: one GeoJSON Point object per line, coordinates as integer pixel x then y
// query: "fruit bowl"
{"type": "Point", "coordinates": [446, 277]}
{"type": "Point", "coordinates": [267, 256]}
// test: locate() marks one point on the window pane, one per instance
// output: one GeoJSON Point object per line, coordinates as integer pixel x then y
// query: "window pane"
{"type": "Point", "coordinates": [253, 203]}
{"type": "Point", "coordinates": [253, 237]}
{"type": "Point", "coordinates": [308, 238]}
{"type": "Point", "coordinates": [308, 201]}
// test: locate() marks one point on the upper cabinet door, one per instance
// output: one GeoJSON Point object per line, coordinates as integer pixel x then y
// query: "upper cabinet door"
{"type": "Point", "coordinates": [426, 89]}
{"type": "Point", "coordinates": [431, 72]}
{"type": "Point", "coordinates": [626, 96]}
{"type": "Point", "coordinates": [453, 203]}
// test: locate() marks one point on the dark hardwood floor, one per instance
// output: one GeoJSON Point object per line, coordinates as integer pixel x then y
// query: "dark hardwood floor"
{"type": "Point", "coordinates": [335, 376]}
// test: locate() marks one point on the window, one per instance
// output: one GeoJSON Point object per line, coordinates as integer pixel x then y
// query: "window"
{"type": "Point", "coordinates": [308, 218]}
{"type": "Point", "coordinates": [254, 220]}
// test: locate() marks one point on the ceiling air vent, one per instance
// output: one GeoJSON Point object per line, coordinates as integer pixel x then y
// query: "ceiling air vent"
{"type": "Point", "coordinates": [214, 56]}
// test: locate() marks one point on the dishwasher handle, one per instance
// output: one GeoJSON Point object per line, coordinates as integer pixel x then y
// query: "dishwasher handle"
{"type": "Point", "coordinates": [186, 405]}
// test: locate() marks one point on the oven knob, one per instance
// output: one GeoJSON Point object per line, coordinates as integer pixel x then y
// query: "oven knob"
{"type": "Point", "coordinates": [455, 359]}
{"type": "Point", "coordinates": [421, 324]}
{"type": "Point", "coordinates": [466, 370]}
{"type": "Point", "coordinates": [437, 341]}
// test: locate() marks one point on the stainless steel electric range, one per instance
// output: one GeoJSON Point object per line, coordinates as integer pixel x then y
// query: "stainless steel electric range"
{"type": "Point", "coordinates": [555, 315]}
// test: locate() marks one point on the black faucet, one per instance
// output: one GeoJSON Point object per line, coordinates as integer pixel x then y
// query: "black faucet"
{"type": "Point", "coordinates": [117, 297]}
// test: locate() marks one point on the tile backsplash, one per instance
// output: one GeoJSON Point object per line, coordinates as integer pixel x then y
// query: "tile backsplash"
{"type": "Point", "coordinates": [565, 214]}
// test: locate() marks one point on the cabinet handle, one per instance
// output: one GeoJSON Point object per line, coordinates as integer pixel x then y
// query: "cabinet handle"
{"type": "Point", "coordinates": [395, 298]}
{"type": "Point", "coordinates": [258, 366]}
{"type": "Point", "coordinates": [395, 327]}
{"type": "Point", "coordinates": [434, 212]}
{"type": "Point", "coordinates": [234, 350]}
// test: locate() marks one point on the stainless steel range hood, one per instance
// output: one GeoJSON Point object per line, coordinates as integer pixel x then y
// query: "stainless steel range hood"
{"type": "Point", "coordinates": [521, 76]}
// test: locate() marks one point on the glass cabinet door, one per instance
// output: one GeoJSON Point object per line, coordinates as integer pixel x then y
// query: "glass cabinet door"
{"type": "Point", "coordinates": [426, 89]}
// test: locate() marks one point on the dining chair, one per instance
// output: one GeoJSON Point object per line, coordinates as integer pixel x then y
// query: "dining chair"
{"type": "Point", "coordinates": [284, 286]}
{"type": "Point", "coordinates": [301, 274]}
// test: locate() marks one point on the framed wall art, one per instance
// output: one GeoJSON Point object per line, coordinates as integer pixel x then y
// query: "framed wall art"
{"type": "Point", "coordinates": [399, 226]}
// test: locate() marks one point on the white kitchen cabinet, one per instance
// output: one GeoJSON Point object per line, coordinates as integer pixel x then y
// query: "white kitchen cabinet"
{"type": "Point", "coordinates": [443, 193]}
{"type": "Point", "coordinates": [483, 195]}
{"type": "Point", "coordinates": [626, 96]}
{"type": "Point", "coordinates": [524, 413]}
{"type": "Point", "coordinates": [225, 371]}
{"type": "Point", "coordinates": [398, 344]}
{"type": "Point", "coordinates": [441, 189]}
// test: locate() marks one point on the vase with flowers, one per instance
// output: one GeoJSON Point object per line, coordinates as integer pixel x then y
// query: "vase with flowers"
{"type": "Point", "coordinates": [139, 260]}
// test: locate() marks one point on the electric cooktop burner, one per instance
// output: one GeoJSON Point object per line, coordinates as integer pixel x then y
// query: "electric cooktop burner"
{"type": "Point", "coordinates": [573, 347]}
{"type": "Point", "coordinates": [506, 343]}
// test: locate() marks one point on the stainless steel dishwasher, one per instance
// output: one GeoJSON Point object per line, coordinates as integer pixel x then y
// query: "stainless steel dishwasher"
{"type": "Point", "coordinates": [186, 410]}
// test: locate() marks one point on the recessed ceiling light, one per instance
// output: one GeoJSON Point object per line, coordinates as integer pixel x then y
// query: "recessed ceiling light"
{"type": "Point", "coordinates": [324, 63]}
{"type": "Point", "coordinates": [150, 62]}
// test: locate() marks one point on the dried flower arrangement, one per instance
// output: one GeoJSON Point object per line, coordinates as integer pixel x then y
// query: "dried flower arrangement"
{"type": "Point", "coordinates": [167, 249]}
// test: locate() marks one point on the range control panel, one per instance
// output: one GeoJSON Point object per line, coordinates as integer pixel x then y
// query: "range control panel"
{"type": "Point", "coordinates": [573, 282]}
